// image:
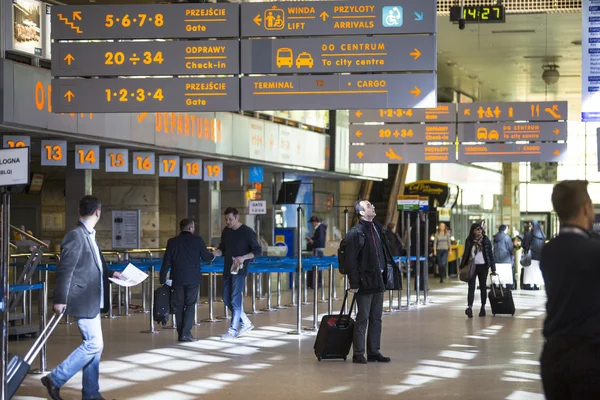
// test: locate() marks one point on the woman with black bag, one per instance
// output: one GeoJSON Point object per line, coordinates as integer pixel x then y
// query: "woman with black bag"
{"type": "Point", "coordinates": [478, 253]}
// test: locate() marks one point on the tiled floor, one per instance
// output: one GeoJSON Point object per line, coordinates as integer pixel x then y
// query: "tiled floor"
{"type": "Point", "coordinates": [436, 353]}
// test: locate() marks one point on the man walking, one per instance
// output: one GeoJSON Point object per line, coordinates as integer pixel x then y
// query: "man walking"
{"type": "Point", "coordinates": [239, 245]}
{"type": "Point", "coordinates": [182, 256]}
{"type": "Point", "coordinates": [371, 271]}
{"type": "Point", "coordinates": [82, 288]}
{"type": "Point", "coordinates": [570, 265]}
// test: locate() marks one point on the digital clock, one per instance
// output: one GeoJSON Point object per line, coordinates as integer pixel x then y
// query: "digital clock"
{"type": "Point", "coordinates": [481, 14]}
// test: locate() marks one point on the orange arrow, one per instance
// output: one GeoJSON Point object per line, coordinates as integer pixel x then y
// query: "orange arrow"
{"type": "Point", "coordinates": [358, 133]}
{"type": "Point", "coordinates": [358, 113]}
{"type": "Point", "coordinates": [360, 154]}
{"type": "Point", "coordinates": [69, 58]}
{"type": "Point", "coordinates": [142, 116]}
{"type": "Point", "coordinates": [416, 91]}
{"type": "Point", "coordinates": [556, 152]}
{"type": "Point", "coordinates": [69, 95]}
{"type": "Point", "coordinates": [415, 54]}
{"type": "Point", "coordinates": [76, 15]}
{"type": "Point", "coordinates": [556, 131]}
{"type": "Point", "coordinates": [467, 111]}
{"type": "Point", "coordinates": [257, 20]}
{"type": "Point", "coordinates": [324, 16]}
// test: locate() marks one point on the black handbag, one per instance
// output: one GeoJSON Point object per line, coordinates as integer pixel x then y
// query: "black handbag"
{"type": "Point", "coordinates": [467, 271]}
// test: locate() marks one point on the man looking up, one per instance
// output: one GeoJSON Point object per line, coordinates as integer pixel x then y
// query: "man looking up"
{"type": "Point", "coordinates": [238, 246]}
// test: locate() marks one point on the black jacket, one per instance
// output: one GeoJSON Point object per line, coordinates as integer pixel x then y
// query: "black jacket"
{"type": "Point", "coordinates": [318, 239]}
{"type": "Point", "coordinates": [183, 256]}
{"type": "Point", "coordinates": [488, 254]}
{"type": "Point", "coordinates": [361, 259]}
{"type": "Point", "coordinates": [534, 240]}
{"type": "Point", "coordinates": [78, 276]}
{"type": "Point", "coordinates": [503, 248]}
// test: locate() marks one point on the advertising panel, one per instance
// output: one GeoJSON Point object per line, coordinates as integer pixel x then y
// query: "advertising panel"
{"type": "Point", "coordinates": [27, 27]}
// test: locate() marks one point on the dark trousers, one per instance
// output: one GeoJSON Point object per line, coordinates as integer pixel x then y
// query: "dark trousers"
{"type": "Point", "coordinates": [481, 273]}
{"type": "Point", "coordinates": [183, 302]}
{"type": "Point", "coordinates": [570, 369]}
{"type": "Point", "coordinates": [442, 261]}
{"type": "Point", "coordinates": [370, 310]}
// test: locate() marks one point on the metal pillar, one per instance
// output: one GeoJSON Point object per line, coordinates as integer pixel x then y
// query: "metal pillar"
{"type": "Point", "coordinates": [294, 302]}
{"type": "Point", "coordinates": [408, 255]}
{"type": "Point", "coordinates": [418, 260]}
{"type": "Point", "coordinates": [269, 308]}
{"type": "Point", "coordinates": [151, 313]}
{"type": "Point", "coordinates": [127, 301]}
{"type": "Point", "coordinates": [426, 263]}
{"type": "Point", "coordinates": [279, 306]}
{"type": "Point", "coordinates": [331, 289]}
{"type": "Point", "coordinates": [211, 315]}
{"type": "Point", "coordinates": [43, 312]}
{"type": "Point", "coordinates": [110, 314]}
{"type": "Point", "coordinates": [345, 276]}
{"type": "Point", "coordinates": [215, 298]}
{"type": "Point", "coordinates": [298, 330]}
{"type": "Point", "coordinates": [196, 322]}
{"type": "Point", "coordinates": [315, 325]}
{"type": "Point", "coordinates": [322, 289]}
{"type": "Point", "coordinates": [305, 283]}
{"type": "Point", "coordinates": [4, 263]}
{"type": "Point", "coordinates": [254, 295]}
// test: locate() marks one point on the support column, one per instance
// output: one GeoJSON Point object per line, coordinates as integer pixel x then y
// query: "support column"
{"type": "Point", "coordinates": [511, 207]}
{"type": "Point", "coordinates": [78, 183]}
{"type": "Point", "coordinates": [181, 208]}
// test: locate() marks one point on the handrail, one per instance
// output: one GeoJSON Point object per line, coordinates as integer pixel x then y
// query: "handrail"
{"type": "Point", "coordinates": [18, 255]}
{"type": "Point", "coordinates": [12, 246]}
{"type": "Point", "coordinates": [30, 237]}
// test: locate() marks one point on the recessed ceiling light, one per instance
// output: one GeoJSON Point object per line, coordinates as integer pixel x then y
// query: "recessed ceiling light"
{"type": "Point", "coordinates": [576, 42]}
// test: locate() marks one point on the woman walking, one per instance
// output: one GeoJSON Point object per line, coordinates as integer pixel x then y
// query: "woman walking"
{"type": "Point", "coordinates": [441, 245]}
{"type": "Point", "coordinates": [479, 249]}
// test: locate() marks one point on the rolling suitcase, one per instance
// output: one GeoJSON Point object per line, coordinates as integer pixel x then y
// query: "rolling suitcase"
{"type": "Point", "coordinates": [335, 335]}
{"type": "Point", "coordinates": [501, 300]}
{"type": "Point", "coordinates": [18, 367]}
{"type": "Point", "coordinates": [162, 305]}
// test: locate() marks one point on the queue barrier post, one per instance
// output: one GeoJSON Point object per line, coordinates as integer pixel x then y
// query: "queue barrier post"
{"type": "Point", "coordinates": [151, 329]}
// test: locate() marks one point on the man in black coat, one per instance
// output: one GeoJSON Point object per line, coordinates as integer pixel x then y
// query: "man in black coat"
{"type": "Point", "coordinates": [183, 256]}
{"type": "Point", "coordinates": [571, 270]}
{"type": "Point", "coordinates": [371, 271]}
{"type": "Point", "coordinates": [82, 288]}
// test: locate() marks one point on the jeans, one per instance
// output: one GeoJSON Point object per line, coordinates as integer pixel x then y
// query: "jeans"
{"type": "Point", "coordinates": [86, 357]}
{"type": "Point", "coordinates": [481, 273]}
{"type": "Point", "coordinates": [442, 260]}
{"type": "Point", "coordinates": [233, 285]}
{"type": "Point", "coordinates": [184, 300]}
{"type": "Point", "coordinates": [370, 310]}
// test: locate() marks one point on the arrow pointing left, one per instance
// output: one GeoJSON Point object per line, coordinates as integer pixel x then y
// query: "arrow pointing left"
{"type": "Point", "coordinates": [69, 95]}
{"type": "Point", "coordinates": [69, 59]}
{"type": "Point", "coordinates": [257, 20]}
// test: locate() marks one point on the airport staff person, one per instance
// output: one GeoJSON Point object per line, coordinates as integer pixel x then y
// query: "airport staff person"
{"type": "Point", "coordinates": [571, 268]}
{"type": "Point", "coordinates": [182, 256]}
{"type": "Point", "coordinates": [82, 287]}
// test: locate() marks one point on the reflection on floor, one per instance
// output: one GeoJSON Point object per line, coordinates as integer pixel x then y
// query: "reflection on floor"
{"type": "Point", "coordinates": [436, 353]}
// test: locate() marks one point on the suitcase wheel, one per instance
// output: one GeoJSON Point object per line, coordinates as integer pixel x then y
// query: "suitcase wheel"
{"type": "Point", "coordinates": [345, 358]}
{"type": "Point", "coordinates": [319, 358]}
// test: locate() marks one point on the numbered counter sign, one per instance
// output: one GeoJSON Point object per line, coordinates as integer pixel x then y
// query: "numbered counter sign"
{"type": "Point", "coordinates": [213, 171]}
{"type": "Point", "coordinates": [54, 153]}
{"type": "Point", "coordinates": [86, 156]}
{"type": "Point", "coordinates": [117, 160]}
{"type": "Point", "coordinates": [10, 142]}
{"type": "Point", "coordinates": [192, 168]}
{"type": "Point", "coordinates": [143, 163]}
{"type": "Point", "coordinates": [168, 166]}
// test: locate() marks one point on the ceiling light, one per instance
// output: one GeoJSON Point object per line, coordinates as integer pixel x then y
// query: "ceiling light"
{"type": "Point", "coordinates": [576, 42]}
{"type": "Point", "coordinates": [550, 74]}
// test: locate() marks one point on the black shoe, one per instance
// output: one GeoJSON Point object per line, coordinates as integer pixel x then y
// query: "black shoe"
{"type": "Point", "coordinates": [359, 360]}
{"type": "Point", "coordinates": [53, 391]}
{"type": "Point", "coordinates": [469, 312]}
{"type": "Point", "coordinates": [482, 311]}
{"type": "Point", "coordinates": [188, 338]}
{"type": "Point", "coordinates": [379, 358]}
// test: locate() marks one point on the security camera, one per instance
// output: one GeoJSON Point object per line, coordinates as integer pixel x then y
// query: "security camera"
{"type": "Point", "coordinates": [462, 23]}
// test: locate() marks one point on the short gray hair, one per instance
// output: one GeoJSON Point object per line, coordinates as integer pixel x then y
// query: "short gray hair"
{"type": "Point", "coordinates": [358, 207]}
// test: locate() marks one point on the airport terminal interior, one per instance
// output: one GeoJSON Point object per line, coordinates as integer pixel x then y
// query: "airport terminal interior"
{"type": "Point", "coordinates": [440, 113]}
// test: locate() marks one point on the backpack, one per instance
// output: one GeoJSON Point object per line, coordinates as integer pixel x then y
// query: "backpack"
{"type": "Point", "coordinates": [342, 266]}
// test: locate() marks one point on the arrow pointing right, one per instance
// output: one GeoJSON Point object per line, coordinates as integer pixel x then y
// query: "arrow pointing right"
{"type": "Point", "coordinates": [416, 92]}
{"type": "Point", "coordinates": [415, 54]}
{"type": "Point", "coordinates": [69, 95]}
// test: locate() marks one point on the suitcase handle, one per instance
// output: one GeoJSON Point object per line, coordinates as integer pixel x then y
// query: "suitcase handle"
{"type": "Point", "coordinates": [42, 337]}
{"type": "Point", "coordinates": [344, 304]}
{"type": "Point", "coordinates": [499, 284]}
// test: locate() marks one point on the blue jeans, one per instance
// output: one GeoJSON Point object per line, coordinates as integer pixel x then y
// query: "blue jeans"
{"type": "Point", "coordinates": [86, 357]}
{"type": "Point", "coordinates": [442, 260]}
{"type": "Point", "coordinates": [233, 286]}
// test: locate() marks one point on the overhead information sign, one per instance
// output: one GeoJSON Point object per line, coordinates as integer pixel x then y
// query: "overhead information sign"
{"type": "Point", "coordinates": [590, 65]}
{"type": "Point", "coordinates": [402, 153]}
{"type": "Point", "coordinates": [338, 92]}
{"type": "Point", "coordinates": [331, 18]}
{"type": "Point", "coordinates": [145, 95]}
{"type": "Point", "coordinates": [402, 133]}
{"type": "Point", "coordinates": [14, 166]}
{"type": "Point", "coordinates": [522, 111]}
{"type": "Point", "coordinates": [330, 55]}
{"type": "Point", "coordinates": [444, 112]}
{"type": "Point", "coordinates": [510, 152]}
{"type": "Point", "coordinates": [145, 21]}
{"type": "Point", "coordinates": [510, 132]}
{"type": "Point", "coordinates": [214, 57]}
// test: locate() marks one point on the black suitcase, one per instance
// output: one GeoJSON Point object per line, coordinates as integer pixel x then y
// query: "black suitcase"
{"type": "Point", "coordinates": [501, 300]}
{"type": "Point", "coordinates": [162, 305]}
{"type": "Point", "coordinates": [18, 367]}
{"type": "Point", "coordinates": [335, 335]}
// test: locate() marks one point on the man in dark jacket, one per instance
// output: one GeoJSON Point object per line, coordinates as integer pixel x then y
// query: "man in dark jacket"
{"type": "Point", "coordinates": [183, 256]}
{"type": "Point", "coordinates": [503, 247]}
{"type": "Point", "coordinates": [82, 288]}
{"type": "Point", "coordinates": [371, 271]}
{"type": "Point", "coordinates": [571, 268]}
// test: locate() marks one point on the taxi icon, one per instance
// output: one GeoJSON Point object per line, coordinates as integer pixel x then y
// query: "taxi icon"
{"type": "Point", "coordinates": [304, 60]}
{"type": "Point", "coordinates": [493, 135]}
{"type": "Point", "coordinates": [285, 57]}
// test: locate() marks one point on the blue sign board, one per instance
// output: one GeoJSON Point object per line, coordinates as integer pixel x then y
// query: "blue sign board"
{"type": "Point", "coordinates": [590, 45]}
{"type": "Point", "coordinates": [257, 174]}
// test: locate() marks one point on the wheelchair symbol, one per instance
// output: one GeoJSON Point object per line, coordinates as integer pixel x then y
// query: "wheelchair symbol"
{"type": "Point", "coordinates": [392, 16]}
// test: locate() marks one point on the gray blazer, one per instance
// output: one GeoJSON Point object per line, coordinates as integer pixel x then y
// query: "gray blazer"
{"type": "Point", "coordinates": [78, 275]}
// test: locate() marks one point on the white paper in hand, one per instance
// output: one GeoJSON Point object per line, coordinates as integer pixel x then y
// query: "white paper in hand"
{"type": "Point", "coordinates": [131, 276]}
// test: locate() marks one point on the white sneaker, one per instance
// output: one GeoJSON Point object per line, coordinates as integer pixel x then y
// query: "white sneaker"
{"type": "Point", "coordinates": [245, 328]}
{"type": "Point", "coordinates": [231, 334]}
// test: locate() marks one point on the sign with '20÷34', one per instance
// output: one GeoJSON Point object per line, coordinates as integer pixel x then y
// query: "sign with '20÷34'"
{"type": "Point", "coordinates": [330, 18]}
{"type": "Point", "coordinates": [402, 133]}
{"type": "Point", "coordinates": [145, 21]}
{"type": "Point", "coordinates": [215, 57]}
